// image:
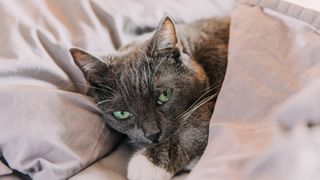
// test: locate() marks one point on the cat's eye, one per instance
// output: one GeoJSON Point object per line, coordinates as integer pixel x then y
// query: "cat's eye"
{"type": "Point", "coordinates": [121, 115]}
{"type": "Point", "coordinates": [164, 97]}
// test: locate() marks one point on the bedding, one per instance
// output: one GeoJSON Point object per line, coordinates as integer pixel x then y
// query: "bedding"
{"type": "Point", "coordinates": [271, 89]}
{"type": "Point", "coordinates": [261, 125]}
{"type": "Point", "coordinates": [270, 97]}
{"type": "Point", "coordinates": [50, 128]}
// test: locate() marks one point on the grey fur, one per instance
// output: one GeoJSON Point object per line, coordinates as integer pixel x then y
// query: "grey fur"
{"type": "Point", "coordinates": [189, 59]}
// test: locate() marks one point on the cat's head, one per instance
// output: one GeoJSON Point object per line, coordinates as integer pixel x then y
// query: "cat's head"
{"type": "Point", "coordinates": [143, 88]}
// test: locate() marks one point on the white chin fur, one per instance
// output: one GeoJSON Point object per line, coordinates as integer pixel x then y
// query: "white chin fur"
{"type": "Point", "coordinates": [140, 168]}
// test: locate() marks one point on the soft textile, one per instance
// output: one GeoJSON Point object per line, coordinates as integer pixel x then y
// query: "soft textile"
{"type": "Point", "coordinates": [49, 128]}
{"type": "Point", "coordinates": [270, 97]}
{"type": "Point", "coordinates": [271, 90]}
{"type": "Point", "coordinates": [264, 125]}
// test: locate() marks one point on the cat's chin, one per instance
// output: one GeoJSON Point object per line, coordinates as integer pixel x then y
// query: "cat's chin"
{"type": "Point", "coordinates": [139, 145]}
{"type": "Point", "coordinates": [141, 168]}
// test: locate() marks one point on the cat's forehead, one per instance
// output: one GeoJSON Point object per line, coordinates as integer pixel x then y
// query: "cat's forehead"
{"type": "Point", "coordinates": [126, 57]}
{"type": "Point", "coordinates": [129, 74]}
{"type": "Point", "coordinates": [131, 69]}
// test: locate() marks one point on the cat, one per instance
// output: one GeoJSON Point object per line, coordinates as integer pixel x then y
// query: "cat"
{"type": "Point", "coordinates": [160, 91]}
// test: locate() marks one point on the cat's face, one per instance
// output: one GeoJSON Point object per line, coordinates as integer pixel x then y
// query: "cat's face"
{"type": "Point", "coordinates": [143, 89]}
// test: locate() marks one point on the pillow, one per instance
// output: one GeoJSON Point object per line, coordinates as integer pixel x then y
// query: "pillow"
{"type": "Point", "coordinates": [49, 128]}
{"type": "Point", "coordinates": [50, 134]}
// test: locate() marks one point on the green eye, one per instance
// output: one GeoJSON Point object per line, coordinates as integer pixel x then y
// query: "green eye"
{"type": "Point", "coordinates": [164, 97]}
{"type": "Point", "coordinates": [121, 115]}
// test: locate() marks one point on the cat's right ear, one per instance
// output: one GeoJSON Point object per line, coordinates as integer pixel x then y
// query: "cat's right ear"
{"type": "Point", "coordinates": [92, 67]}
{"type": "Point", "coordinates": [166, 39]}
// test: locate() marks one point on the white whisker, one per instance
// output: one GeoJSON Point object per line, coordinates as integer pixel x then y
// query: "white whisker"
{"type": "Point", "coordinates": [104, 101]}
{"type": "Point", "coordinates": [209, 89]}
{"type": "Point", "coordinates": [157, 68]}
{"type": "Point", "coordinates": [108, 89]}
{"type": "Point", "coordinates": [202, 102]}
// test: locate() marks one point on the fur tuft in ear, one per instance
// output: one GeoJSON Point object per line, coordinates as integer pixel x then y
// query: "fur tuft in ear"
{"type": "Point", "coordinates": [165, 39]}
{"type": "Point", "coordinates": [91, 66]}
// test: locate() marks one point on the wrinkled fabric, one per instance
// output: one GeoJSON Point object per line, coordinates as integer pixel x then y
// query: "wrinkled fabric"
{"type": "Point", "coordinates": [50, 128]}
{"type": "Point", "coordinates": [4, 170]}
{"type": "Point", "coordinates": [265, 121]}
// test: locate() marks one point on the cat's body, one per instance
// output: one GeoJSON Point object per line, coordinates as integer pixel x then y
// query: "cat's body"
{"type": "Point", "coordinates": [161, 92]}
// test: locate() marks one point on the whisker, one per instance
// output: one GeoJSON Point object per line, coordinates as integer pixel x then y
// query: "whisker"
{"type": "Point", "coordinates": [213, 86]}
{"type": "Point", "coordinates": [104, 101]}
{"type": "Point", "coordinates": [108, 89]}
{"type": "Point", "coordinates": [89, 86]}
{"type": "Point", "coordinates": [111, 90]}
{"type": "Point", "coordinates": [202, 102]}
{"type": "Point", "coordinates": [209, 89]}
{"type": "Point", "coordinates": [146, 69]}
{"type": "Point", "coordinates": [157, 68]}
{"type": "Point", "coordinates": [150, 78]}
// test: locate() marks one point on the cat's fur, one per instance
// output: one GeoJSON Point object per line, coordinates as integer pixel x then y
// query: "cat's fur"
{"type": "Point", "coordinates": [189, 59]}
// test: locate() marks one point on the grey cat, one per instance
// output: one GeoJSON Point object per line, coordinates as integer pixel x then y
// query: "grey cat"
{"type": "Point", "coordinates": [160, 91]}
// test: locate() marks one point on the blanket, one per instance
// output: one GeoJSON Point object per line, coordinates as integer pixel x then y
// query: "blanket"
{"type": "Point", "coordinates": [265, 122]}
{"type": "Point", "coordinates": [266, 117]}
{"type": "Point", "coordinates": [49, 127]}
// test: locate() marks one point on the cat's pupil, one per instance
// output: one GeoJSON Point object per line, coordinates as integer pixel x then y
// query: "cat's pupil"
{"type": "Point", "coordinates": [165, 93]}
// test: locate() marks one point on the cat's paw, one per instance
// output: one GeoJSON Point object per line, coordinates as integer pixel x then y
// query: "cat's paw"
{"type": "Point", "coordinates": [141, 168]}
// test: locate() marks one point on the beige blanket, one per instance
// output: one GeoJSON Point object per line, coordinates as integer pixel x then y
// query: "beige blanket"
{"type": "Point", "coordinates": [265, 122]}
{"type": "Point", "coordinates": [264, 125]}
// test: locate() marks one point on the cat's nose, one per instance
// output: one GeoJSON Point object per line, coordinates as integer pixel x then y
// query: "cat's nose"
{"type": "Point", "coordinates": [154, 137]}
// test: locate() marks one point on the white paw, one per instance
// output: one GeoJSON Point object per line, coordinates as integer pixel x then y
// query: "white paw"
{"type": "Point", "coordinates": [140, 168]}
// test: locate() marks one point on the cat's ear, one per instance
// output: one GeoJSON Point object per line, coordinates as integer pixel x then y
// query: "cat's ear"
{"type": "Point", "coordinates": [92, 67]}
{"type": "Point", "coordinates": [166, 39]}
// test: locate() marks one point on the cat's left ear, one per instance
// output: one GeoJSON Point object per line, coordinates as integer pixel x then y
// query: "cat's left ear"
{"type": "Point", "coordinates": [166, 40]}
{"type": "Point", "coordinates": [92, 67]}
